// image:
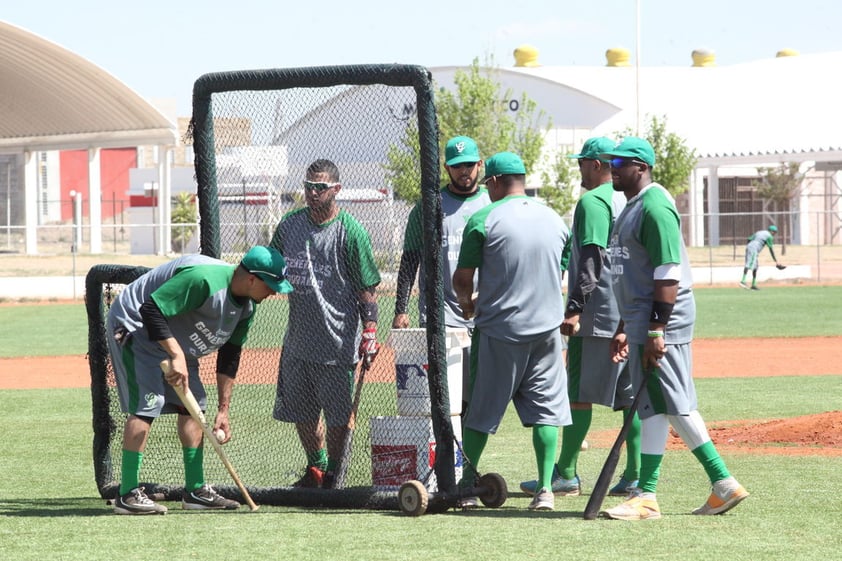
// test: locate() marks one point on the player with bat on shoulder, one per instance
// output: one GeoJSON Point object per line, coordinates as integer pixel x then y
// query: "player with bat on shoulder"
{"type": "Point", "coordinates": [653, 286]}
{"type": "Point", "coordinates": [182, 310]}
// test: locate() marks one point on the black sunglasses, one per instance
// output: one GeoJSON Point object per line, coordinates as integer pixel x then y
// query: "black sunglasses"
{"type": "Point", "coordinates": [623, 162]}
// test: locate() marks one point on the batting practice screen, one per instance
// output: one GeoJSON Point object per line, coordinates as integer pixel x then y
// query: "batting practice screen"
{"type": "Point", "coordinates": [254, 135]}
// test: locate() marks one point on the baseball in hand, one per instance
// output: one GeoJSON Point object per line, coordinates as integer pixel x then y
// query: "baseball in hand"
{"type": "Point", "coordinates": [576, 328]}
{"type": "Point", "coordinates": [219, 434]}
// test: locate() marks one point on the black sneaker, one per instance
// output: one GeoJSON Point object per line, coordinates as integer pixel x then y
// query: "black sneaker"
{"type": "Point", "coordinates": [312, 478]}
{"type": "Point", "coordinates": [205, 498]}
{"type": "Point", "coordinates": [136, 502]}
{"type": "Point", "coordinates": [328, 480]}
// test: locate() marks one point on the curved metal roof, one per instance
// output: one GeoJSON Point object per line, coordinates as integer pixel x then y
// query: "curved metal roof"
{"type": "Point", "coordinates": [51, 99]}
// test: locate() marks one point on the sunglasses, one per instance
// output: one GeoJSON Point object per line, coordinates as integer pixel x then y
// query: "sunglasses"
{"type": "Point", "coordinates": [623, 162]}
{"type": "Point", "coordinates": [463, 165]}
{"type": "Point", "coordinates": [489, 178]}
{"type": "Point", "coordinates": [318, 186]}
{"type": "Point", "coordinates": [271, 275]}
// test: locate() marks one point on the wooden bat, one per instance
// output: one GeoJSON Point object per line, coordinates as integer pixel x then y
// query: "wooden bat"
{"type": "Point", "coordinates": [345, 459]}
{"type": "Point", "coordinates": [600, 488]}
{"type": "Point", "coordinates": [195, 411]}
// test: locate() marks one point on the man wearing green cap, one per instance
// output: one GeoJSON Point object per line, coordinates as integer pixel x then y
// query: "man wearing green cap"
{"type": "Point", "coordinates": [653, 286]}
{"type": "Point", "coordinates": [460, 198]}
{"type": "Point", "coordinates": [756, 243]}
{"type": "Point", "coordinates": [590, 320]}
{"type": "Point", "coordinates": [183, 310]}
{"type": "Point", "coordinates": [516, 244]}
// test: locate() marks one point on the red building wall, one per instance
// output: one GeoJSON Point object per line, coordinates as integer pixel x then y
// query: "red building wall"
{"type": "Point", "coordinates": [114, 164]}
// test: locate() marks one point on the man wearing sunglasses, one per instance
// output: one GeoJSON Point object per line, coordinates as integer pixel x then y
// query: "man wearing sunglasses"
{"type": "Point", "coordinates": [653, 285]}
{"type": "Point", "coordinates": [332, 320]}
{"type": "Point", "coordinates": [590, 320]}
{"type": "Point", "coordinates": [183, 310]}
{"type": "Point", "coordinates": [460, 198]}
{"type": "Point", "coordinates": [516, 244]}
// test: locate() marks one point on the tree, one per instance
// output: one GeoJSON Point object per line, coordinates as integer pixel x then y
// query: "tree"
{"type": "Point", "coordinates": [778, 186]}
{"type": "Point", "coordinates": [674, 160]}
{"type": "Point", "coordinates": [185, 213]}
{"type": "Point", "coordinates": [477, 108]}
{"type": "Point", "coordinates": [557, 183]}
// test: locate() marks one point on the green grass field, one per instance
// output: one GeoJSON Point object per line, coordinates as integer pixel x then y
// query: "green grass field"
{"type": "Point", "coordinates": [49, 507]}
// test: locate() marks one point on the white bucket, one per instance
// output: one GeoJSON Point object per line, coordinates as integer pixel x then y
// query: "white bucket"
{"type": "Point", "coordinates": [404, 448]}
{"type": "Point", "coordinates": [413, 389]}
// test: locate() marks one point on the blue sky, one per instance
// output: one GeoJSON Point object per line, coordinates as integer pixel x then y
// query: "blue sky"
{"type": "Point", "coordinates": [159, 48]}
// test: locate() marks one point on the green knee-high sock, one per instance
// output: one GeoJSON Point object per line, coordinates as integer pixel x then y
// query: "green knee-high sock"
{"type": "Point", "coordinates": [571, 441]}
{"type": "Point", "coordinates": [473, 443]}
{"type": "Point", "coordinates": [545, 440]}
{"type": "Point", "coordinates": [710, 459]}
{"type": "Point", "coordinates": [194, 473]}
{"type": "Point", "coordinates": [650, 469]}
{"type": "Point", "coordinates": [317, 458]}
{"type": "Point", "coordinates": [130, 472]}
{"type": "Point", "coordinates": [632, 472]}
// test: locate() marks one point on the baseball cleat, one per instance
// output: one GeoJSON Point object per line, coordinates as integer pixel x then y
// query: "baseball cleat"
{"type": "Point", "coordinates": [726, 494]}
{"type": "Point", "coordinates": [641, 506]}
{"type": "Point", "coordinates": [206, 498]}
{"type": "Point", "coordinates": [622, 488]}
{"type": "Point", "coordinates": [560, 487]}
{"type": "Point", "coordinates": [543, 500]}
{"type": "Point", "coordinates": [136, 502]}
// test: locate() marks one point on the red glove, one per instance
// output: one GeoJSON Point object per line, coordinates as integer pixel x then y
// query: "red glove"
{"type": "Point", "coordinates": [369, 347]}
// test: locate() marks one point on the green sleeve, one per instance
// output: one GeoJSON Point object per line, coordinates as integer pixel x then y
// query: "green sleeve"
{"type": "Point", "coordinates": [360, 256]}
{"type": "Point", "coordinates": [592, 222]}
{"type": "Point", "coordinates": [413, 238]}
{"type": "Point", "coordinates": [660, 230]}
{"type": "Point", "coordinates": [187, 290]}
{"type": "Point", "coordinates": [473, 239]}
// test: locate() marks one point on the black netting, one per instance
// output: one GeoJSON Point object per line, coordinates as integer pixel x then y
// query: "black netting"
{"type": "Point", "coordinates": [254, 135]}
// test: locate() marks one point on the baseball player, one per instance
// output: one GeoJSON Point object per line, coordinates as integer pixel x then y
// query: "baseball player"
{"type": "Point", "coordinates": [331, 266]}
{"type": "Point", "coordinates": [653, 286]}
{"type": "Point", "coordinates": [183, 310]}
{"type": "Point", "coordinates": [756, 243]}
{"type": "Point", "coordinates": [460, 198]}
{"type": "Point", "coordinates": [590, 320]}
{"type": "Point", "coordinates": [516, 244]}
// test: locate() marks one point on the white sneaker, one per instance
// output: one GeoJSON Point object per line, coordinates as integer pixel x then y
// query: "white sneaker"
{"type": "Point", "coordinates": [543, 500]}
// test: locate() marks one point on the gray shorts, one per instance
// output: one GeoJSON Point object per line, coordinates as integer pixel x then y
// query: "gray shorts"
{"type": "Point", "coordinates": [305, 389]}
{"type": "Point", "coordinates": [670, 390]}
{"type": "Point", "coordinates": [592, 377]}
{"type": "Point", "coordinates": [531, 375]}
{"type": "Point", "coordinates": [141, 386]}
{"type": "Point", "coordinates": [752, 259]}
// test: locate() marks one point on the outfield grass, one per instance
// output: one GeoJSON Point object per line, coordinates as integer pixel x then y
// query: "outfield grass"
{"type": "Point", "coordinates": [776, 311]}
{"type": "Point", "coordinates": [49, 508]}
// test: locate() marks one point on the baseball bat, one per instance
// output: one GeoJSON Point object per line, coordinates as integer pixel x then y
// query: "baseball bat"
{"type": "Point", "coordinates": [345, 459]}
{"type": "Point", "coordinates": [195, 411]}
{"type": "Point", "coordinates": [600, 488]}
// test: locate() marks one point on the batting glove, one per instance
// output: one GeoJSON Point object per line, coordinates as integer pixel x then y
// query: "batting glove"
{"type": "Point", "coordinates": [369, 347]}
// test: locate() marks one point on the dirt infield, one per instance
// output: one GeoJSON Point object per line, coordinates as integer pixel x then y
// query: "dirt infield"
{"type": "Point", "coordinates": [819, 434]}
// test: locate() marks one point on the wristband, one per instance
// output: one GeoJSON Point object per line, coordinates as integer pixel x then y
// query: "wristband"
{"type": "Point", "coordinates": [368, 311]}
{"type": "Point", "coordinates": [655, 334]}
{"type": "Point", "coordinates": [661, 312]}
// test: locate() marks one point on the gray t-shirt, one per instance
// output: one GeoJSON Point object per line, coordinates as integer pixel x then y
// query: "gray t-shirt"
{"type": "Point", "coordinates": [517, 244]}
{"type": "Point", "coordinates": [328, 265]}
{"type": "Point", "coordinates": [193, 294]}
{"type": "Point", "coordinates": [593, 220]}
{"type": "Point", "coordinates": [647, 234]}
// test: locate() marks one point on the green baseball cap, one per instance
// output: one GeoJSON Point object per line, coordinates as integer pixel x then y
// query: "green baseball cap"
{"type": "Point", "coordinates": [268, 265]}
{"type": "Point", "coordinates": [503, 163]}
{"type": "Point", "coordinates": [460, 150]}
{"type": "Point", "coordinates": [594, 148]}
{"type": "Point", "coordinates": [633, 147]}
{"type": "Point", "coordinates": [773, 228]}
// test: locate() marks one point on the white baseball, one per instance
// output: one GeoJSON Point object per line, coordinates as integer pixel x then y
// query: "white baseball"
{"type": "Point", "coordinates": [219, 434]}
{"type": "Point", "coordinates": [576, 328]}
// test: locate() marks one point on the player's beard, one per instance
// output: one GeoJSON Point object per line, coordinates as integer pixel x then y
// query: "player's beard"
{"type": "Point", "coordinates": [458, 183]}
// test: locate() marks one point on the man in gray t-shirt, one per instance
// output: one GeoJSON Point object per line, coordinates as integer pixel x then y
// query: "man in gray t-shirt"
{"type": "Point", "coordinates": [516, 244]}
